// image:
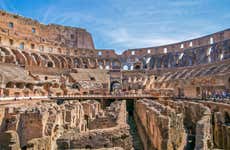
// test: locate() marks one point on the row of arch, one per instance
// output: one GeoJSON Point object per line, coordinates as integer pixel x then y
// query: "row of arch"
{"type": "Point", "coordinates": [201, 55]}
{"type": "Point", "coordinates": [25, 58]}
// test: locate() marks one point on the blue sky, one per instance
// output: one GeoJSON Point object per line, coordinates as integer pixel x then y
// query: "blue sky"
{"type": "Point", "coordinates": [124, 24]}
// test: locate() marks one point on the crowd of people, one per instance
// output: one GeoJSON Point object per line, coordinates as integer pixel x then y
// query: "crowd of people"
{"type": "Point", "coordinates": [218, 95]}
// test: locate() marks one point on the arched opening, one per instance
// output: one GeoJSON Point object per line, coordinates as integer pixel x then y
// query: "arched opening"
{"type": "Point", "coordinates": [76, 63]}
{"type": "Point", "coordinates": [59, 50]}
{"type": "Point", "coordinates": [116, 65]}
{"type": "Point", "coordinates": [125, 67]}
{"type": "Point", "coordinates": [50, 64]}
{"type": "Point", "coordinates": [29, 86]}
{"type": "Point", "coordinates": [137, 67]}
{"type": "Point", "coordinates": [10, 85]}
{"type": "Point", "coordinates": [22, 46]}
{"type": "Point", "coordinates": [76, 86]}
{"type": "Point", "coordinates": [115, 87]}
{"type": "Point", "coordinates": [88, 147]}
{"type": "Point", "coordinates": [20, 85]}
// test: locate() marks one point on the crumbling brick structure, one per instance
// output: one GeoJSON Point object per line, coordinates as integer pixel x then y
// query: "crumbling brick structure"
{"type": "Point", "coordinates": [57, 91]}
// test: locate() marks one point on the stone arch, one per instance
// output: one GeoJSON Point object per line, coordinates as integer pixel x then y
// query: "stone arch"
{"type": "Point", "coordinates": [92, 63]}
{"type": "Point", "coordinates": [165, 61]}
{"type": "Point", "coordinates": [192, 58]}
{"type": "Point", "coordinates": [20, 58]}
{"type": "Point", "coordinates": [20, 85]}
{"type": "Point", "coordinates": [48, 61]}
{"type": "Point", "coordinates": [115, 86]}
{"type": "Point", "coordinates": [30, 60]}
{"type": "Point", "coordinates": [51, 60]}
{"type": "Point", "coordinates": [107, 64]}
{"type": "Point", "coordinates": [2, 56]}
{"type": "Point", "coordinates": [6, 51]}
{"type": "Point", "coordinates": [9, 57]}
{"type": "Point", "coordinates": [201, 56]}
{"type": "Point", "coordinates": [85, 62]}
{"type": "Point", "coordinates": [55, 61]}
{"type": "Point", "coordinates": [77, 62]}
{"type": "Point", "coordinates": [10, 84]}
{"type": "Point", "coordinates": [101, 64]}
{"type": "Point", "coordinates": [76, 86]}
{"type": "Point", "coordinates": [145, 62]}
{"type": "Point", "coordinates": [171, 61]}
{"type": "Point", "coordinates": [38, 59]}
{"type": "Point", "coordinates": [138, 65]}
{"type": "Point", "coordinates": [69, 61]}
{"type": "Point", "coordinates": [116, 64]}
{"type": "Point", "coordinates": [50, 64]}
{"type": "Point", "coordinates": [152, 63]}
{"type": "Point", "coordinates": [158, 62]}
{"type": "Point", "coordinates": [63, 61]}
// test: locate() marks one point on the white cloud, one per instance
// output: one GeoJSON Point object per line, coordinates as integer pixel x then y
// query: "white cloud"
{"type": "Point", "coordinates": [123, 38]}
{"type": "Point", "coordinates": [132, 23]}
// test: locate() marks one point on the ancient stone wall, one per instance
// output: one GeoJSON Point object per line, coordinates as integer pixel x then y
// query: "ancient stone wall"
{"type": "Point", "coordinates": [18, 32]}
{"type": "Point", "coordinates": [180, 46]}
{"type": "Point", "coordinates": [39, 125]}
{"type": "Point", "coordinates": [51, 38]}
{"type": "Point", "coordinates": [159, 127]}
{"type": "Point", "coordinates": [183, 124]}
{"type": "Point", "coordinates": [220, 124]}
{"type": "Point", "coordinates": [9, 140]}
{"type": "Point", "coordinates": [107, 119]}
{"type": "Point", "coordinates": [116, 136]}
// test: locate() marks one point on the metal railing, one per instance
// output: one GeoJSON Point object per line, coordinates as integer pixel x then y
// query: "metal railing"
{"type": "Point", "coordinates": [78, 97]}
{"type": "Point", "coordinates": [104, 96]}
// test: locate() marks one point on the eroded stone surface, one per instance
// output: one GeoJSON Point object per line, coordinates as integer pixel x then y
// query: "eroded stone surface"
{"type": "Point", "coordinates": [40, 63]}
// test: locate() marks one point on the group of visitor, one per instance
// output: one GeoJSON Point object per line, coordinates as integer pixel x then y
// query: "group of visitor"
{"type": "Point", "coordinates": [219, 95]}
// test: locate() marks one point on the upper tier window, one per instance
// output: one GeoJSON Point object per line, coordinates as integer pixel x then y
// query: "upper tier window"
{"type": "Point", "coordinates": [211, 40]}
{"type": "Point", "coordinates": [32, 46]}
{"type": "Point", "coordinates": [99, 53]}
{"type": "Point", "coordinates": [149, 51]}
{"type": "Point", "coordinates": [11, 41]}
{"type": "Point", "coordinates": [182, 46]}
{"type": "Point", "coordinates": [165, 50]}
{"type": "Point", "coordinates": [72, 36]}
{"type": "Point", "coordinates": [21, 46]}
{"type": "Point", "coordinates": [190, 44]}
{"type": "Point", "coordinates": [11, 24]}
{"type": "Point", "coordinates": [133, 52]}
{"type": "Point", "coordinates": [33, 30]}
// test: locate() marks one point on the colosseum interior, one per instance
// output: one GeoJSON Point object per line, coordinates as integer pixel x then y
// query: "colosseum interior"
{"type": "Point", "coordinates": [57, 91]}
